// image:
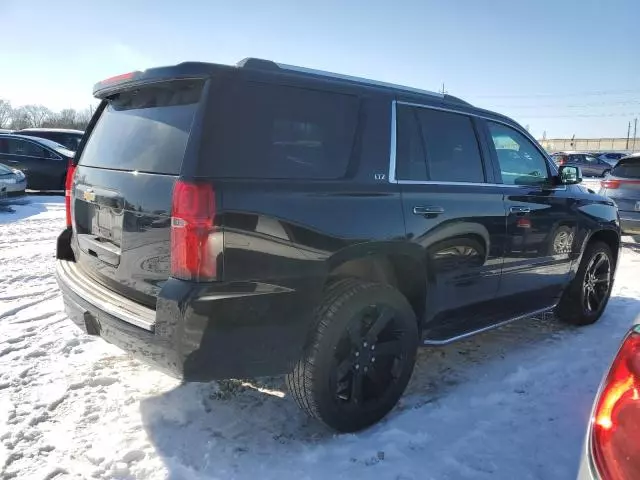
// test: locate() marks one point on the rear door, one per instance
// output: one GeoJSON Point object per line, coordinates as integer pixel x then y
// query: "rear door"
{"type": "Point", "coordinates": [541, 223]}
{"type": "Point", "coordinates": [451, 210]}
{"type": "Point", "coordinates": [595, 166]}
{"type": "Point", "coordinates": [123, 186]}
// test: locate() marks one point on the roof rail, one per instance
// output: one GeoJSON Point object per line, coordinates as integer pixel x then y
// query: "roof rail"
{"type": "Point", "coordinates": [270, 65]}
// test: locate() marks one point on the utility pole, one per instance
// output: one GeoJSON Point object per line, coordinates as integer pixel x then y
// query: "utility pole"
{"type": "Point", "coordinates": [635, 131]}
{"type": "Point", "coordinates": [628, 134]}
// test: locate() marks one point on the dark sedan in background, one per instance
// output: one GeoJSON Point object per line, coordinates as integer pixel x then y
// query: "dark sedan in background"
{"type": "Point", "coordinates": [42, 161]}
{"type": "Point", "coordinates": [12, 183]}
{"type": "Point", "coordinates": [623, 187]}
{"type": "Point", "coordinates": [590, 165]}
{"type": "Point", "coordinates": [67, 137]}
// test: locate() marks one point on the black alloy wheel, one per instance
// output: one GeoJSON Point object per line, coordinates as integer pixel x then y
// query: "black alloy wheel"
{"type": "Point", "coordinates": [360, 356]}
{"type": "Point", "coordinates": [597, 282]}
{"type": "Point", "coordinates": [369, 357]}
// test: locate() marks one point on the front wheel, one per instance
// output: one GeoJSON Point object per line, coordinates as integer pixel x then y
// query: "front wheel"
{"type": "Point", "coordinates": [584, 300]}
{"type": "Point", "coordinates": [359, 358]}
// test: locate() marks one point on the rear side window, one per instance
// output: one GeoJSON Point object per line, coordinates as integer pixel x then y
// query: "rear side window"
{"type": "Point", "coordinates": [410, 158]}
{"type": "Point", "coordinates": [281, 132]}
{"type": "Point", "coordinates": [18, 146]}
{"type": "Point", "coordinates": [627, 169]}
{"type": "Point", "coordinates": [437, 146]}
{"type": "Point", "coordinates": [144, 130]}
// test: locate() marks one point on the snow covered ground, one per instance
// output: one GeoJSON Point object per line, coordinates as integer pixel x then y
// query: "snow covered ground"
{"type": "Point", "coordinates": [512, 403]}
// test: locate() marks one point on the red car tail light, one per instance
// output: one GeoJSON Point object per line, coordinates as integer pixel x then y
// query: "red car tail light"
{"type": "Point", "coordinates": [194, 243]}
{"type": "Point", "coordinates": [68, 184]}
{"type": "Point", "coordinates": [615, 435]}
{"type": "Point", "coordinates": [616, 183]}
{"type": "Point", "coordinates": [610, 184]}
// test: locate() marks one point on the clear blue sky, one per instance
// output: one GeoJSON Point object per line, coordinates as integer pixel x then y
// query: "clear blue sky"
{"type": "Point", "coordinates": [561, 66]}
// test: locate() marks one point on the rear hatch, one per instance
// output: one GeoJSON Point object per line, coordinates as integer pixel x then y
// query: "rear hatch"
{"type": "Point", "coordinates": [121, 204]}
{"type": "Point", "coordinates": [623, 185]}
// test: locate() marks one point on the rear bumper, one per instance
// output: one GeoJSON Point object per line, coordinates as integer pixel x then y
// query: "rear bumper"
{"type": "Point", "coordinates": [198, 332]}
{"type": "Point", "coordinates": [630, 223]}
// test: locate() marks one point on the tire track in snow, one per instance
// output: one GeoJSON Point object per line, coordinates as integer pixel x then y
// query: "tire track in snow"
{"type": "Point", "coordinates": [19, 308]}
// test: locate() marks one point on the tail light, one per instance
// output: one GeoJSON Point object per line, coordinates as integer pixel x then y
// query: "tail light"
{"type": "Point", "coordinates": [616, 183]}
{"type": "Point", "coordinates": [195, 243]}
{"type": "Point", "coordinates": [562, 161]}
{"type": "Point", "coordinates": [68, 184]}
{"type": "Point", "coordinates": [610, 184]}
{"type": "Point", "coordinates": [615, 436]}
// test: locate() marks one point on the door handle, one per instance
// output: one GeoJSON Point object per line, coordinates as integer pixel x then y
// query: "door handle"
{"type": "Point", "coordinates": [428, 210]}
{"type": "Point", "coordinates": [520, 210]}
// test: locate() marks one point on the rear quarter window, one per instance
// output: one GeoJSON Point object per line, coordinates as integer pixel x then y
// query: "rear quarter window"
{"type": "Point", "coordinates": [280, 132]}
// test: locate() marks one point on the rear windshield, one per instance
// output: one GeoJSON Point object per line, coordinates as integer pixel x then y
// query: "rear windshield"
{"type": "Point", "coordinates": [145, 130]}
{"type": "Point", "coordinates": [278, 131]}
{"type": "Point", "coordinates": [627, 169]}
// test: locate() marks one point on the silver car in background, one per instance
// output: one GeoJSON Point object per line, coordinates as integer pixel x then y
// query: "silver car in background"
{"type": "Point", "coordinates": [623, 187]}
{"type": "Point", "coordinates": [12, 183]}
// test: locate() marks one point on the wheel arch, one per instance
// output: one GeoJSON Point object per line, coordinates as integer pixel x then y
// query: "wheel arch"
{"type": "Point", "coordinates": [399, 264]}
{"type": "Point", "coordinates": [608, 236]}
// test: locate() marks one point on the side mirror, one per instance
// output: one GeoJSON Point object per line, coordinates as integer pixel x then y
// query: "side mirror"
{"type": "Point", "coordinates": [569, 175]}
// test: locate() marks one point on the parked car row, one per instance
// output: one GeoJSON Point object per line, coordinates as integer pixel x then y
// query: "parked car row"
{"type": "Point", "coordinates": [591, 165]}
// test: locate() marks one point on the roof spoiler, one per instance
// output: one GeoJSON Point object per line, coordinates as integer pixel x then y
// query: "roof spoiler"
{"type": "Point", "coordinates": [125, 81]}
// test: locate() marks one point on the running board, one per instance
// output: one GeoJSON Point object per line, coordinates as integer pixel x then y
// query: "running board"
{"type": "Point", "coordinates": [447, 341]}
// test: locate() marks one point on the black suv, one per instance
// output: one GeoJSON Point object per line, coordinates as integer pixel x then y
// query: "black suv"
{"type": "Point", "coordinates": [263, 219]}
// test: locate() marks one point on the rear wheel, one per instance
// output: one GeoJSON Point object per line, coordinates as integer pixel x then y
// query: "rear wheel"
{"type": "Point", "coordinates": [586, 297]}
{"type": "Point", "coordinates": [360, 357]}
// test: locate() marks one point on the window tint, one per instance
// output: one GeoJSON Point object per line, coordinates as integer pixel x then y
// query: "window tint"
{"type": "Point", "coordinates": [521, 163]}
{"type": "Point", "coordinates": [16, 146]}
{"type": "Point", "coordinates": [437, 146]}
{"type": "Point", "coordinates": [145, 130]}
{"type": "Point", "coordinates": [410, 157]}
{"type": "Point", "coordinates": [451, 146]}
{"type": "Point", "coordinates": [592, 160]}
{"type": "Point", "coordinates": [627, 169]}
{"type": "Point", "coordinates": [276, 131]}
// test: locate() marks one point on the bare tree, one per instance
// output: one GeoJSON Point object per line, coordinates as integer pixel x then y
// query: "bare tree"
{"type": "Point", "coordinates": [83, 118]}
{"type": "Point", "coordinates": [19, 119]}
{"type": "Point", "coordinates": [5, 113]}
{"type": "Point", "coordinates": [64, 119]}
{"type": "Point", "coordinates": [36, 114]}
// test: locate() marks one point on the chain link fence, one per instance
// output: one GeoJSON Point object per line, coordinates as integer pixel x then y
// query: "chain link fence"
{"type": "Point", "coordinates": [592, 144]}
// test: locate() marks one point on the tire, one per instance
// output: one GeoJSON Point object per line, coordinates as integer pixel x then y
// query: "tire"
{"type": "Point", "coordinates": [577, 306]}
{"type": "Point", "coordinates": [340, 359]}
